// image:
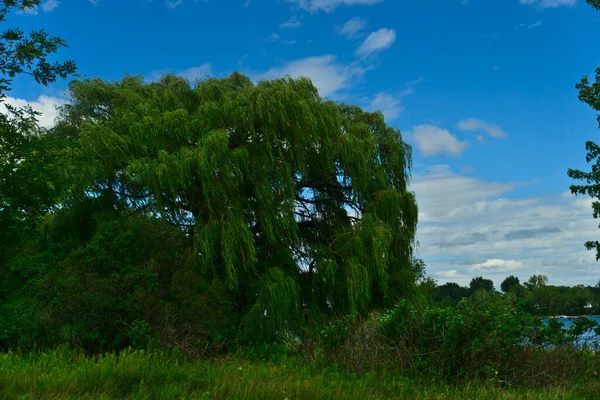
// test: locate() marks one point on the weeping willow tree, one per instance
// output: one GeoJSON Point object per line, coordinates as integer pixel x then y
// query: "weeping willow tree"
{"type": "Point", "coordinates": [298, 204]}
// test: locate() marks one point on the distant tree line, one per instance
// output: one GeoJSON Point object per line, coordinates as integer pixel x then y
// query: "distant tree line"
{"type": "Point", "coordinates": [535, 295]}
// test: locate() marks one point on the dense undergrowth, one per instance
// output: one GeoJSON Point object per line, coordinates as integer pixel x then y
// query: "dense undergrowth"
{"type": "Point", "coordinates": [484, 348]}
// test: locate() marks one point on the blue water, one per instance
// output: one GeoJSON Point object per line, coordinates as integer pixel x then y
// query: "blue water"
{"type": "Point", "coordinates": [589, 337]}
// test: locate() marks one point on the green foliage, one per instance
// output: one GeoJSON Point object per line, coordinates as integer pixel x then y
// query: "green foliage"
{"type": "Point", "coordinates": [594, 3]}
{"type": "Point", "coordinates": [337, 332]}
{"type": "Point", "coordinates": [450, 293]}
{"type": "Point", "coordinates": [276, 312]}
{"type": "Point", "coordinates": [299, 205]}
{"type": "Point", "coordinates": [536, 296]}
{"type": "Point", "coordinates": [480, 283]}
{"type": "Point", "coordinates": [134, 283]}
{"type": "Point", "coordinates": [28, 187]}
{"type": "Point", "coordinates": [487, 338]}
{"type": "Point", "coordinates": [482, 334]}
{"type": "Point", "coordinates": [508, 283]}
{"type": "Point", "coordinates": [536, 282]}
{"type": "Point", "coordinates": [21, 54]}
{"type": "Point", "coordinates": [589, 93]}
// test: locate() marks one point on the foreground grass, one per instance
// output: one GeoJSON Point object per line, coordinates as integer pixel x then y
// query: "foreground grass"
{"type": "Point", "coordinates": [67, 374]}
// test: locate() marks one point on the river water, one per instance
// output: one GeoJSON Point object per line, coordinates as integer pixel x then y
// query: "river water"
{"type": "Point", "coordinates": [589, 337]}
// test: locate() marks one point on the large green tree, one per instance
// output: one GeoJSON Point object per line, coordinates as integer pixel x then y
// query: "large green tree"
{"type": "Point", "coordinates": [299, 205]}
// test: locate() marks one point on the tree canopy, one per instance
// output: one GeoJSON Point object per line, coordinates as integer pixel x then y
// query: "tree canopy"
{"type": "Point", "coordinates": [479, 283]}
{"type": "Point", "coordinates": [508, 283]}
{"type": "Point", "coordinates": [299, 205]}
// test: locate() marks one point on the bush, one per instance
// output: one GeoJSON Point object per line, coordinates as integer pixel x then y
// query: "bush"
{"type": "Point", "coordinates": [487, 337]}
{"type": "Point", "coordinates": [135, 283]}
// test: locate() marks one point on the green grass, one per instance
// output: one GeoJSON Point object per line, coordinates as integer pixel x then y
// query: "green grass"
{"type": "Point", "coordinates": [67, 374]}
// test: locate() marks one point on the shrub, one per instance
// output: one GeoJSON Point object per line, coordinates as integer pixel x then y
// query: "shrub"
{"type": "Point", "coordinates": [135, 283]}
{"type": "Point", "coordinates": [486, 337]}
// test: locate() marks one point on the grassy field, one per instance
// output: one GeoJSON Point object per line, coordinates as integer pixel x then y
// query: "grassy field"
{"type": "Point", "coordinates": [67, 374]}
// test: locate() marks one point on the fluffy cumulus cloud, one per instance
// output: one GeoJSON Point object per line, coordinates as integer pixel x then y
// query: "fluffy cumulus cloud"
{"type": "Point", "coordinates": [46, 105]}
{"type": "Point", "coordinates": [548, 3]}
{"type": "Point", "coordinates": [474, 124]}
{"type": "Point", "coordinates": [326, 74]}
{"type": "Point", "coordinates": [352, 27]}
{"type": "Point", "coordinates": [376, 42]}
{"type": "Point", "coordinates": [432, 140]}
{"type": "Point", "coordinates": [388, 105]}
{"type": "Point", "coordinates": [330, 5]}
{"type": "Point", "coordinates": [469, 227]}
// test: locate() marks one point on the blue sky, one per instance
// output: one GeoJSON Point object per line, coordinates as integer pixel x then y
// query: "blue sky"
{"type": "Point", "coordinates": [482, 89]}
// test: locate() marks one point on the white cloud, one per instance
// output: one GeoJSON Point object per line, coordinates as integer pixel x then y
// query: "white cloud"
{"type": "Point", "coordinates": [432, 140]}
{"type": "Point", "coordinates": [173, 3]}
{"type": "Point", "coordinates": [330, 5]}
{"type": "Point", "coordinates": [468, 227]}
{"type": "Point", "coordinates": [190, 74]}
{"type": "Point", "coordinates": [548, 3]}
{"type": "Point", "coordinates": [352, 27]}
{"type": "Point", "coordinates": [474, 124]}
{"type": "Point", "coordinates": [292, 23]}
{"type": "Point", "coordinates": [497, 265]}
{"type": "Point", "coordinates": [495, 67]}
{"type": "Point", "coordinates": [46, 105]}
{"type": "Point", "coordinates": [276, 38]}
{"type": "Point", "coordinates": [49, 5]}
{"type": "Point", "coordinates": [328, 76]}
{"type": "Point", "coordinates": [200, 72]}
{"type": "Point", "coordinates": [95, 2]}
{"type": "Point", "coordinates": [376, 42]}
{"type": "Point", "coordinates": [388, 105]}
{"type": "Point", "coordinates": [450, 275]}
